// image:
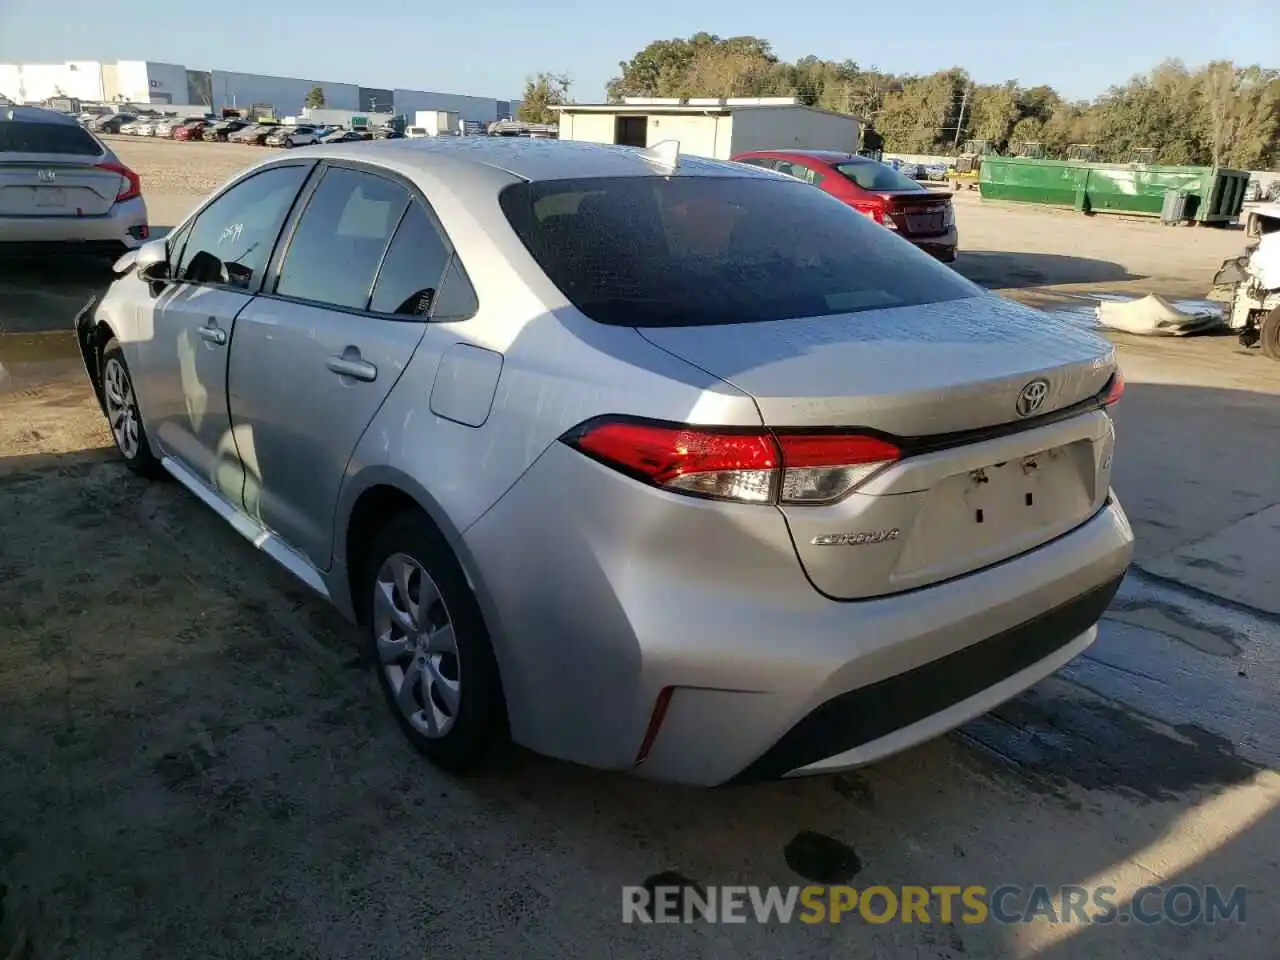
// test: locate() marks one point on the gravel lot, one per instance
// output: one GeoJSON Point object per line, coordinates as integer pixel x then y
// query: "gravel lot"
{"type": "Point", "coordinates": [194, 758]}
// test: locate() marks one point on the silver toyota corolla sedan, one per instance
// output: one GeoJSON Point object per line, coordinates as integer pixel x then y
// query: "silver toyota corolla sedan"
{"type": "Point", "coordinates": [654, 464]}
{"type": "Point", "coordinates": [63, 190]}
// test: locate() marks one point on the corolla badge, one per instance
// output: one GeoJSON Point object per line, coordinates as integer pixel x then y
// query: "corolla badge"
{"type": "Point", "coordinates": [855, 539]}
{"type": "Point", "coordinates": [1032, 397]}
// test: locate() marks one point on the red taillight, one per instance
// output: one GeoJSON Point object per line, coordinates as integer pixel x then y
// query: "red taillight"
{"type": "Point", "coordinates": [132, 186]}
{"type": "Point", "coordinates": [751, 466]}
{"type": "Point", "coordinates": [820, 468]}
{"type": "Point", "coordinates": [874, 211]}
{"type": "Point", "coordinates": [735, 465]}
{"type": "Point", "coordinates": [1115, 389]}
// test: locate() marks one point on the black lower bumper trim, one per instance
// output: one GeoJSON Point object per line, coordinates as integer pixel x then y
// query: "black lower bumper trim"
{"type": "Point", "coordinates": [868, 713]}
{"type": "Point", "coordinates": [16, 249]}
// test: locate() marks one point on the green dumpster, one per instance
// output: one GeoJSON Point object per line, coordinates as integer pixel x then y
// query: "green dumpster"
{"type": "Point", "coordinates": [1213, 194]}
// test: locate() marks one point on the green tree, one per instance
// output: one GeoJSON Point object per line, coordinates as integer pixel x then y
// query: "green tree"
{"type": "Point", "coordinates": [1219, 113]}
{"type": "Point", "coordinates": [541, 93]}
{"type": "Point", "coordinates": [705, 65]}
{"type": "Point", "coordinates": [315, 98]}
{"type": "Point", "coordinates": [923, 116]}
{"type": "Point", "coordinates": [994, 113]}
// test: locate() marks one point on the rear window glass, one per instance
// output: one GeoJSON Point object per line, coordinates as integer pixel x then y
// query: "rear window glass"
{"type": "Point", "coordinates": [685, 251]}
{"type": "Point", "coordinates": [870, 175]}
{"type": "Point", "coordinates": [27, 136]}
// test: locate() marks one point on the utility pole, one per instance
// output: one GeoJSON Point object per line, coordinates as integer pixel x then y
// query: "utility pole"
{"type": "Point", "coordinates": [964, 101]}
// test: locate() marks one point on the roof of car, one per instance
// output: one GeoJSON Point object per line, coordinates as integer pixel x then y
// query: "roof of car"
{"type": "Point", "coordinates": [831, 156]}
{"type": "Point", "coordinates": [535, 159]}
{"type": "Point", "coordinates": [37, 115]}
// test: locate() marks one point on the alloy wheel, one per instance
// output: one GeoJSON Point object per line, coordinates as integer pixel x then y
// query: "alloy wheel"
{"type": "Point", "coordinates": [122, 407]}
{"type": "Point", "coordinates": [416, 645]}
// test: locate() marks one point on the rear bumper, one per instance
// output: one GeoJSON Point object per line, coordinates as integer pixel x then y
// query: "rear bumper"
{"type": "Point", "coordinates": [123, 228]}
{"type": "Point", "coordinates": [636, 591]}
{"type": "Point", "coordinates": [860, 725]}
{"type": "Point", "coordinates": [943, 246]}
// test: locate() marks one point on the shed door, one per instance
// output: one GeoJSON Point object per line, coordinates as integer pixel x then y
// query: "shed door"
{"type": "Point", "coordinates": [631, 131]}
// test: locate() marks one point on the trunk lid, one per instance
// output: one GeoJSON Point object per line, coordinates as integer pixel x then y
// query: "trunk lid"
{"type": "Point", "coordinates": [35, 185]}
{"type": "Point", "coordinates": [907, 371]}
{"type": "Point", "coordinates": [974, 486]}
{"type": "Point", "coordinates": [919, 214]}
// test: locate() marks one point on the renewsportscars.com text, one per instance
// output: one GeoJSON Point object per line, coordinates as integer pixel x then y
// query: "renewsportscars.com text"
{"type": "Point", "coordinates": [1008, 904]}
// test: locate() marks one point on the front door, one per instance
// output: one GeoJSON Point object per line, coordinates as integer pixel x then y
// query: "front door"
{"type": "Point", "coordinates": [314, 359]}
{"type": "Point", "coordinates": [217, 262]}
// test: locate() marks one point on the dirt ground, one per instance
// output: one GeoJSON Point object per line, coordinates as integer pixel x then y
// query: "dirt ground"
{"type": "Point", "coordinates": [195, 762]}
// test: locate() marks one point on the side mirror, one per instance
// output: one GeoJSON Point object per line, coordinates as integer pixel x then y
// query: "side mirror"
{"type": "Point", "coordinates": [152, 261]}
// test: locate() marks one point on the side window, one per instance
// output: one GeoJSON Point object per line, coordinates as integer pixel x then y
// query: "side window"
{"type": "Point", "coordinates": [409, 281]}
{"type": "Point", "coordinates": [457, 299]}
{"type": "Point", "coordinates": [175, 241]}
{"type": "Point", "coordinates": [230, 242]}
{"type": "Point", "coordinates": [765, 162]}
{"type": "Point", "coordinates": [809, 175]}
{"type": "Point", "coordinates": [799, 171]}
{"type": "Point", "coordinates": [340, 239]}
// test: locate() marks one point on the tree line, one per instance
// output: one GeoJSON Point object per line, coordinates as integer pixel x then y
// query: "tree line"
{"type": "Point", "coordinates": [1220, 113]}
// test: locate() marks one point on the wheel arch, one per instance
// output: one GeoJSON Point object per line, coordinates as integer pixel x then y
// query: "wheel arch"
{"type": "Point", "coordinates": [92, 337]}
{"type": "Point", "coordinates": [372, 497]}
{"type": "Point", "coordinates": [375, 496]}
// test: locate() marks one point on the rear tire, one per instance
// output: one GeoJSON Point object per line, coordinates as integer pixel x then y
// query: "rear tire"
{"type": "Point", "coordinates": [425, 629]}
{"type": "Point", "coordinates": [124, 419]}
{"type": "Point", "coordinates": [1269, 334]}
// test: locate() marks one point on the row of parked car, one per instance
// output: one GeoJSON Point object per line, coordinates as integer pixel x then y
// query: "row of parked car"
{"type": "Point", "coordinates": [213, 129]}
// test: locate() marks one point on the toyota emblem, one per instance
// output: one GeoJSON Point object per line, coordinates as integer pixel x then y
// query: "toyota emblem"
{"type": "Point", "coordinates": [1032, 397]}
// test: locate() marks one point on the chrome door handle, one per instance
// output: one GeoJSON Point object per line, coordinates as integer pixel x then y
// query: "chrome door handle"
{"type": "Point", "coordinates": [360, 369]}
{"type": "Point", "coordinates": [213, 335]}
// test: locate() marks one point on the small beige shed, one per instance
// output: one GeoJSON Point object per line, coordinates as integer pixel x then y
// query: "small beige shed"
{"type": "Point", "coordinates": [709, 127]}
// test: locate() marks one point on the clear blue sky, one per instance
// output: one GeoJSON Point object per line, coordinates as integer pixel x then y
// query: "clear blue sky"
{"type": "Point", "coordinates": [488, 48]}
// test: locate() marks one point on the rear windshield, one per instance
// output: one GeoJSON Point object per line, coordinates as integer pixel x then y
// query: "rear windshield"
{"type": "Point", "coordinates": [28, 136]}
{"type": "Point", "coordinates": [870, 175]}
{"type": "Point", "coordinates": [686, 251]}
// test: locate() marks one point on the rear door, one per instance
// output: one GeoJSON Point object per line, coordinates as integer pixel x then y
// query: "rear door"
{"type": "Point", "coordinates": [314, 357]}
{"type": "Point", "coordinates": [51, 170]}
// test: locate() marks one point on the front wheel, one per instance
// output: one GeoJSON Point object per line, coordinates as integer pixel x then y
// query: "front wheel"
{"type": "Point", "coordinates": [1269, 334]}
{"type": "Point", "coordinates": [430, 646]}
{"type": "Point", "coordinates": [120, 404]}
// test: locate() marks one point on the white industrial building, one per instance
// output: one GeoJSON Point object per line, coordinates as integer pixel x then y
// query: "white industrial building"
{"type": "Point", "coordinates": [135, 81]}
{"type": "Point", "coordinates": [151, 82]}
{"type": "Point", "coordinates": [286, 95]}
{"type": "Point", "coordinates": [710, 127]}
{"type": "Point", "coordinates": [409, 102]}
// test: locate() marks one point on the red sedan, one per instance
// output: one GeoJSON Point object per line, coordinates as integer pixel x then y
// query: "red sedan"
{"type": "Point", "coordinates": [924, 217]}
{"type": "Point", "coordinates": [190, 131]}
